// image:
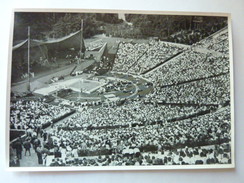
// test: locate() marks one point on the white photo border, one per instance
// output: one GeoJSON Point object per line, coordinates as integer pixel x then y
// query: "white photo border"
{"type": "Point", "coordinates": [122, 168]}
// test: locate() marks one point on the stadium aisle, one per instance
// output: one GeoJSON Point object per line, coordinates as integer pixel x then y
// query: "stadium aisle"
{"type": "Point", "coordinates": [29, 161]}
{"type": "Point", "coordinates": [32, 161]}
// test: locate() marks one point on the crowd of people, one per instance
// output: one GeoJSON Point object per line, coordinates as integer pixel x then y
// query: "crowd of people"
{"type": "Point", "coordinates": [131, 114]}
{"type": "Point", "coordinates": [195, 76]}
{"type": "Point", "coordinates": [26, 114]}
{"type": "Point", "coordinates": [157, 52]}
{"type": "Point", "coordinates": [209, 129]}
{"type": "Point", "coordinates": [190, 65]}
{"type": "Point", "coordinates": [218, 42]}
{"type": "Point", "coordinates": [128, 54]}
{"type": "Point", "coordinates": [221, 47]}
{"type": "Point", "coordinates": [185, 120]}
{"type": "Point", "coordinates": [214, 90]}
{"type": "Point", "coordinates": [36, 142]}
{"type": "Point", "coordinates": [183, 156]}
{"type": "Point", "coordinates": [137, 58]}
{"type": "Point", "coordinates": [173, 143]}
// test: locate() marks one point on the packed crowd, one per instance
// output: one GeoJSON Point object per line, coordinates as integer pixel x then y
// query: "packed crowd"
{"type": "Point", "coordinates": [183, 156]}
{"type": "Point", "coordinates": [128, 54]}
{"type": "Point", "coordinates": [157, 53]}
{"type": "Point", "coordinates": [214, 90]}
{"type": "Point", "coordinates": [140, 133]}
{"type": "Point", "coordinates": [137, 58]}
{"type": "Point", "coordinates": [221, 47]}
{"type": "Point", "coordinates": [208, 129]}
{"type": "Point", "coordinates": [199, 140]}
{"type": "Point", "coordinates": [131, 143]}
{"type": "Point", "coordinates": [26, 114]}
{"type": "Point", "coordinates": [195, 76]}
{"type": "Point", "coordinates": [189, 66]}
{"type": "Point", "coordinates": [218, 42]}
{"type": "Point", "coordinates": [134, 113]}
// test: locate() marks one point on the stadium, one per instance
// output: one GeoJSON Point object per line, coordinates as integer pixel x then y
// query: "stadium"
{"type": "Point", "coordinates": [117, 101]}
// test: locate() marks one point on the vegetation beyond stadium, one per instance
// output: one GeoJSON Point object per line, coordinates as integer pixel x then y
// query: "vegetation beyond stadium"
{"type": "Point", "coordinates": [182, 29]}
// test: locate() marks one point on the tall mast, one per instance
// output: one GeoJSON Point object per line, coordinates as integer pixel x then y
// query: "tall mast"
{"type": "Point", "coordinates": [81, 37]}
{"type": "Point", "coordinates": [28, 55]}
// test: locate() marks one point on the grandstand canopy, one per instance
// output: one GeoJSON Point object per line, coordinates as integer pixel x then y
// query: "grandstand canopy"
{"type": "Point", "coordinates": [42, 52]}
{"type": "Point", "coordinates": [39, 48]}
{"type": "Point", "coordinates": [74, 40]}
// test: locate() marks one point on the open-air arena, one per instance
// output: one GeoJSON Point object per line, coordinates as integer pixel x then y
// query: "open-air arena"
{"type": "Point", "coordinates": [120, 101]}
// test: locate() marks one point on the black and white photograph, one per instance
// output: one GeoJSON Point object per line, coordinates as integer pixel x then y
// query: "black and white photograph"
{"type": "Point", "coordinates": [115, 90]}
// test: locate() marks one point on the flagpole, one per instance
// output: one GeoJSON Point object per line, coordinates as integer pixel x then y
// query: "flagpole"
{"type": "Point", "coordinates": [81, 37]}
{"type": "Point", "coordinates": [28, 58]}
